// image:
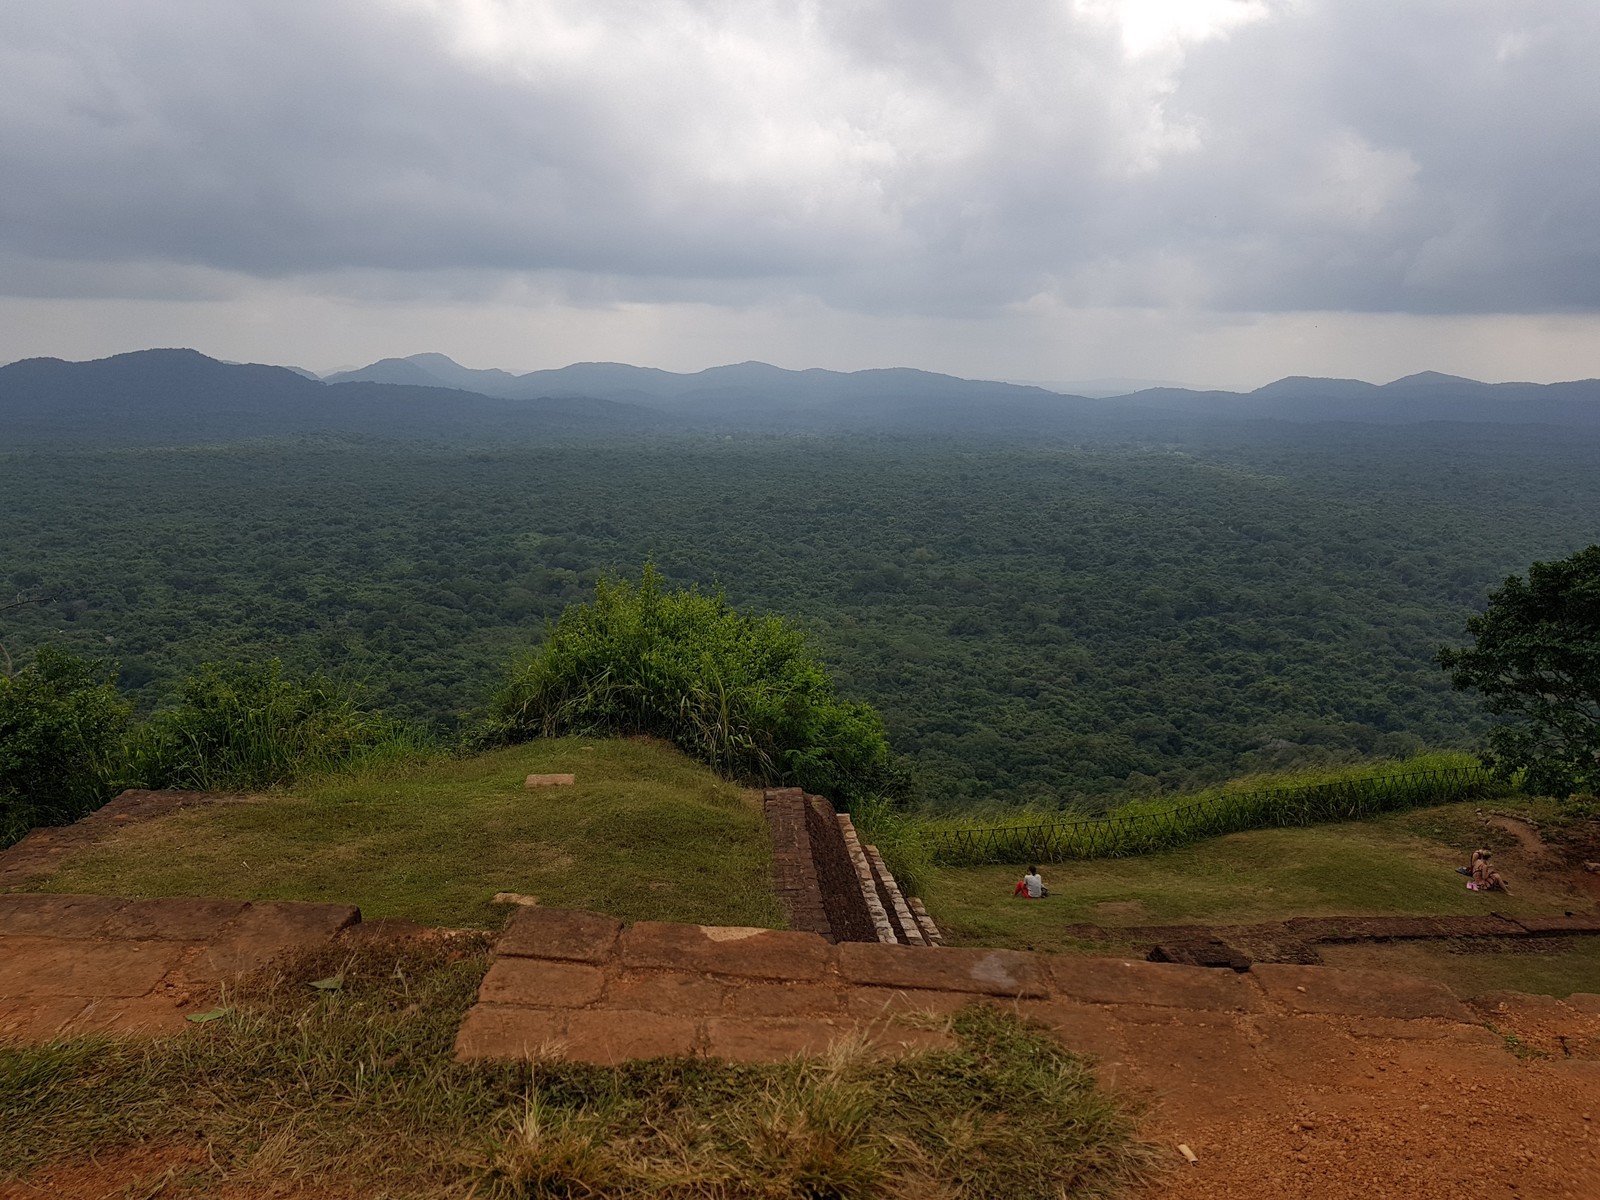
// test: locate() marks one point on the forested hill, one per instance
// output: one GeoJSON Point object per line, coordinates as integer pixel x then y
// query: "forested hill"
{"type": "Point", "coordinates": [180, 396]}
{"type": "Point", "coordinates": [1047, 598]}
{"type": "Point", "coordinates": [1035, 622]}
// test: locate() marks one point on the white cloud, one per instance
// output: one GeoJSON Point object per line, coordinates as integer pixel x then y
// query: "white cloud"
{"type": "Point", "coordinates": [899, 160]}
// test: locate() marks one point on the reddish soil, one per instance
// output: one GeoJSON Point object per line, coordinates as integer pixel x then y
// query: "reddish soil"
{"type": "Point", "coordinates": [149, 1173]}
{"type": "Point", "coordinates": [1422, 1120]}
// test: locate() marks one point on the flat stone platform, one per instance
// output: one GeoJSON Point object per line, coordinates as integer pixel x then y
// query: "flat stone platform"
{"type": "Point", "coordinates": [90, 964]}
{"type": "Point", "coordinates": [1285, 1080]}
{"type": "Point", "coordinates": [582, 986]}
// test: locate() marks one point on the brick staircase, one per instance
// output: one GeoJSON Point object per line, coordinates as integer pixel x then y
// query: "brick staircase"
{"type": "Point", "coordinates": [834, 885]}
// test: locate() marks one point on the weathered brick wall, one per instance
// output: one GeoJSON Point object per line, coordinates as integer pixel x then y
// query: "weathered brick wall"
{"type": "Point", "coordinates": [811, 868]}
{"type": "Point", "coordinates": [836, 875]}
{"type": "Point", "coordinates": [794, 874]}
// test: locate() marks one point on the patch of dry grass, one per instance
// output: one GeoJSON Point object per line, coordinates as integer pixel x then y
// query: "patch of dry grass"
{"type": "Point", "coordinates": [355, 1090]}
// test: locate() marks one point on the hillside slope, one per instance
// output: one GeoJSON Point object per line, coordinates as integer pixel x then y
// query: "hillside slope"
{"type": "Point", "coordinates": [644, 834]}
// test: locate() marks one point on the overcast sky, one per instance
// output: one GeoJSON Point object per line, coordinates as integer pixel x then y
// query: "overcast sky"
{"type": "Point", "coordinates": [1212, 191]}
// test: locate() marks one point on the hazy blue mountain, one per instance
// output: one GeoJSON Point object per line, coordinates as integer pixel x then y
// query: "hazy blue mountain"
{"type": "Point", "coordinates": [737, 387]}
{"type": "Point", "coordinates": [1300, 386]}
{"type": "Point", "coordinates": [760, 395]}
{"type": "Point", "coordinates": [1427, 396]}
{"type": "Point", "coordinates": [431, 370]}
{"type": "Point", "coordinates": [182, 396]}
{"type": "Point", "coordinates": [390, 370]}
{"type": "Point", "coordinates": [154, 396]}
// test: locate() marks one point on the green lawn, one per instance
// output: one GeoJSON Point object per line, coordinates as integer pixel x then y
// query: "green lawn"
{"type": "Point", "coordinates": [1398, 864]}
{"type": "Point", "coordinates": [644, 834]}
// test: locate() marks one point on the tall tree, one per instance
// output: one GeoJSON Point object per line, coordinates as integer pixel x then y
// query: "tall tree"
{"type": "Point", "coordinates": [1535, 658]}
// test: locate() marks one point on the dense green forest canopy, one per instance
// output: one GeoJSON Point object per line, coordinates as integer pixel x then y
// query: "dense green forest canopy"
{"type": "Point", "coordinates": [1036, 622]}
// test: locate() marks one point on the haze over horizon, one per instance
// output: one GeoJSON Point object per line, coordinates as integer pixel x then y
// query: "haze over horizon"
{"type": "Point", "coordinates": [1219, 192]}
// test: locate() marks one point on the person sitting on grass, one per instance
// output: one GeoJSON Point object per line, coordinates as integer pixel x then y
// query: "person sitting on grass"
{"type": "Point", "coordinates": [1031, 885]}
{"type": "Point", "coordinates": [1484, 877]}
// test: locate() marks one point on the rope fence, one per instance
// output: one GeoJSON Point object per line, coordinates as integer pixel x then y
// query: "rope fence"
{"type": "Point", "coordinates": [1211, 816]}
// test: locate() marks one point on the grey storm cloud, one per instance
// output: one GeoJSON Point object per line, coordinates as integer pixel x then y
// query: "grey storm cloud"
{"type": "Point", "coordinates": [890, 156]}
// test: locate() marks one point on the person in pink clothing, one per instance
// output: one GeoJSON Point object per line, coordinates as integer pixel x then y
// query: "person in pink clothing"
{"type": "Point", "coordinates": [1484, 877]}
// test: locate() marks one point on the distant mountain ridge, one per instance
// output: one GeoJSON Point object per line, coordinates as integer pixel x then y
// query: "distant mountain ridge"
{"type": "Point", "coordinates": [1426, 396]}
{"type": "Point", "coordinates": [727, 390]}
{"type": "Point", "coordinates": [182, 396]}
{"type": "Point", "coordinates": [737, 389]}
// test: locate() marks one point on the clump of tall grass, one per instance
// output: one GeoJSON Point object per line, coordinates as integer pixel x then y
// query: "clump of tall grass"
{"type": "Point", "coordinates": [742, 694]}
{"type": "Point", "coordinates": [898, 835]}
{"type": "Point", "coordinates": [62, 725]}
{"type": "Point", "coordinates": [356, 1087]}
{"type": "Point", "coordinates": [1152, 824]}
{"type": "Point", "coordinates": [249, 726]}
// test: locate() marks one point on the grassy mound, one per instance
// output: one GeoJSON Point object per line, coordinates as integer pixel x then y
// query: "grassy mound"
{"type": "Point", "coordinates": [742, 694]}
{"type": "Point", "coordinates": [644, 834]}
{"type": "Point", "coordinates": [356, 1092]}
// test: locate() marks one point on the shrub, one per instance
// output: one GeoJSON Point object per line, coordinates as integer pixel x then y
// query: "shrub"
{"type": "Point", "coordinates": [742, 694]}
{"type": "Point", "coordinates": [61, 741]}
{"type": "Point", "coordinates": [1153, 825]}
{"type": "Point", "coordinates": [247, 725]}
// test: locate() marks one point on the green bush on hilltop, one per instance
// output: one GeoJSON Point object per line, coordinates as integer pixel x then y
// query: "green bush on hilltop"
{"type": "Point", "coordinates": [248, 725]}
{"type": "Point", "coordinates": [61, 738]}
{"type": "Point", "coordinates": [742, 694]}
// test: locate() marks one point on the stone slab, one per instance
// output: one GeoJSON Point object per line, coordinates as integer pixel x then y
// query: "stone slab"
{"type": "Point", "coordinates": [681, 992]}
{"type": "Point", "coordinates": [265, 930]}
{"type": "Point", "coordinates": [748, 953]}
{"type": "Point", "coordinates": [538, 984]}
{"type": "Point", "coordinates": [784, 1000]}
{"type": "Point", "coordinates": [502, 1032]}
{"type": "Point", "coordinates": [895, 1038]}
{"type": "Point", "coordinates": [1357, 993]}
{"type": "Point", "coordinates": [177, 919]}
{"type": "Point", "coordinates": [53, 915]}
{"type": "Point", "coordinates": [1168, 985]}
{"type": "Point", "coordinates": [771, 1039]}
{"type": "Point", "coordinates": [872, 1002]}
{"type": "Point", "coordinates": [975, 971]}
{"type": "Point", "coordinates": [538, 781]}
{"type": "Point", "coordinates": [568, 934]}
{"type": "Point", "coordinates": [609, 1036]}
{"type": "Point", "coordinates": [44, 966]}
